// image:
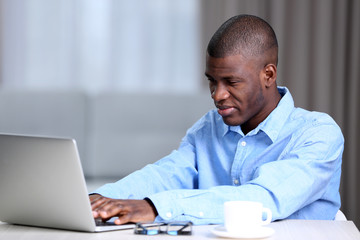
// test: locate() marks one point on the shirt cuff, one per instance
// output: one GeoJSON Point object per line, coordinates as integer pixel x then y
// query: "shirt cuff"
{"type": "Point", "coordinates": [187, 205]}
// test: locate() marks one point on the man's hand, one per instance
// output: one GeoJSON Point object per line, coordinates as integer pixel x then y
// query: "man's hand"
{"type": "Point", "coordinates": [126, 210]}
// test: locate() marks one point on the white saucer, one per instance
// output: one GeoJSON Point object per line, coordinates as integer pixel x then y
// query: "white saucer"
{"type": "Point", "coordinates": [262, 232]}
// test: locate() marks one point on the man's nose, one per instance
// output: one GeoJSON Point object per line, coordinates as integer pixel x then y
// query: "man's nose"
{"type": "Point", "coordinates": [220, 93]}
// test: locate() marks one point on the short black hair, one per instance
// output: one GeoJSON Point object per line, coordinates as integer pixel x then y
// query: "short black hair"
{"type": "Point", "coordinates": [245, 34]}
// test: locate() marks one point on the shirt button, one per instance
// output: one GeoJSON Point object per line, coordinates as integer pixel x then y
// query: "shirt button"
{"type": "Point", "coordinates": [169, 215]}
{"type": "Point", "coordinates": [201, 214]}
{"type": "Point", "coordinates": [236, 182]}
{"type": "Point", "coordinates": [243, 143]}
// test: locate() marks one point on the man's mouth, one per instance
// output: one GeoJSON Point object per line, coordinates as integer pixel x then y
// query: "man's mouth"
{"type": "Point", "coordinates": [225, 111]}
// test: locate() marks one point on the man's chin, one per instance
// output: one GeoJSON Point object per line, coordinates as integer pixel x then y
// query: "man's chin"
{"type": "Point", "coordinates": [231, 122]}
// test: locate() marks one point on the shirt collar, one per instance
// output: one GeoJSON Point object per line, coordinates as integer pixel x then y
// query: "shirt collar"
{"type": "Point", "coordinates": [273, 124]}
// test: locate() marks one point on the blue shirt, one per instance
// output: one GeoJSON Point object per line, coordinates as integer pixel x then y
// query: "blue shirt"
{"type": "Point", "coordinates": [291, 162]}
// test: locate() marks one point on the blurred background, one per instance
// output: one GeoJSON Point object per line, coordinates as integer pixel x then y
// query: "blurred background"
{"type": "Point", "coordinates": [125, 77]}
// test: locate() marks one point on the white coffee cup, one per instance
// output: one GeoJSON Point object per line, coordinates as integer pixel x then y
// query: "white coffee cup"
{"type": "Point", "coordinates": [245, 216]}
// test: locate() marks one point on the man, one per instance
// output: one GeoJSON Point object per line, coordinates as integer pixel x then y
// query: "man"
{"type": "Point", "coordinates": [257, 146]}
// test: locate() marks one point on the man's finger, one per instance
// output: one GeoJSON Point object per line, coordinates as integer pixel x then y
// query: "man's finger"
{"type": "Point", "coordinates": [122, 219]}
{"type": "Point", "coordinates": [94, 197]}
{"type": "Point", "coordinates": [97, 203]}
{"type": "Point", "coordinates": [111, 208]}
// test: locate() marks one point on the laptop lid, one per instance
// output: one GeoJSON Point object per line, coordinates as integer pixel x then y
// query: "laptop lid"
{"type": "Point", "coordinates": [42, 184]}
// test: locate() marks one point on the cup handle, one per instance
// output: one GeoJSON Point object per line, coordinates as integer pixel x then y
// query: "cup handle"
{"type": "Point", "coordinates": [268, 216]}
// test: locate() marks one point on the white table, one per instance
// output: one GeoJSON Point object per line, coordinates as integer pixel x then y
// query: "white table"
{"type": "Point", "coordinates": [287, 230]}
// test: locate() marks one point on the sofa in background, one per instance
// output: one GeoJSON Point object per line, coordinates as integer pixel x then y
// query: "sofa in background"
{"type": "Point", "coordinates": [116, 132]}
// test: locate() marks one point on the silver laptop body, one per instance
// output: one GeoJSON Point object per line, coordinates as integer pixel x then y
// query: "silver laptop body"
{"type": "Point", "coordinates": [42, 184]}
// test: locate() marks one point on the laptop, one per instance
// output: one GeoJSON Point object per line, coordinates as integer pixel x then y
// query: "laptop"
{"type": "Point", "coordinates": [42, 184]}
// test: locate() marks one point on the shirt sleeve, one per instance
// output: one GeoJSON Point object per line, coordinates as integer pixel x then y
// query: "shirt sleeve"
{"type": "Point", "coordinates": [175, 171]}
{"type": "Point", "coordinates": [178, 170]}
{"type": "Point", "coordinates": [300, 177]}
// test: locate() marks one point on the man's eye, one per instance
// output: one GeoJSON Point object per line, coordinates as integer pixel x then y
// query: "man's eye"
{"type": "Point", "coordinates": [233, 82]}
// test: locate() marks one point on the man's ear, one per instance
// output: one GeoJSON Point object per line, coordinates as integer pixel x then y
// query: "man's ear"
{"type": "Point", "coordinates": [269, 75]}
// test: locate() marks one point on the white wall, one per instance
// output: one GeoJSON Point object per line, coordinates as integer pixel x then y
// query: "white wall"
{"type": "Point", "coordinates": [131, 45]}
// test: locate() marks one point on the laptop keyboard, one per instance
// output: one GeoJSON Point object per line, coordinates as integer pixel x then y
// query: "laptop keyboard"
{"type": "Point", "coordinates": [99, 222]}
